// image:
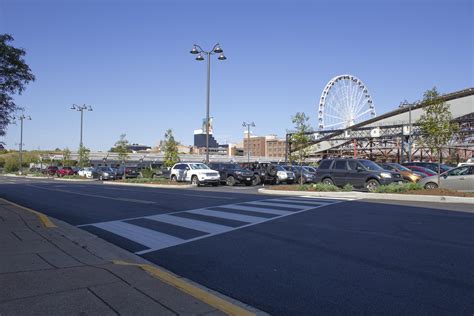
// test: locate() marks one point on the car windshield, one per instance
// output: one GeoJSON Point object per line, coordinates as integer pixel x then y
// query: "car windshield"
{"type": "Point", "coordinates": [196, 166]}
{"type": "Point", "coordinates": [370, 165]}
{"type": "Point", "coordinates": [280, 168]}
{"type": "Point", "coordinates": [106, 169]}
{"type": "Point", "coordinates": [232, 166]}
{"type": "Point", "coordinates": [309, 169]}
{"type": "Point", "coordinates": [399, 167]}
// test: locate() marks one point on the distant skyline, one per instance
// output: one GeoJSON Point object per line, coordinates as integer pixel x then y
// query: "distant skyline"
{"type": "Point", "coordinates": [130, 61]}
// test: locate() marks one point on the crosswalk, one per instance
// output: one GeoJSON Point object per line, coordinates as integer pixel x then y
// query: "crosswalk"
{"type": "Point", "coordinates": [151, 233]}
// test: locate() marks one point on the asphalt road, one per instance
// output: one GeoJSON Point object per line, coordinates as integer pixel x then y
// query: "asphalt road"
{"type": "Point", "coordinates": [286, 256]}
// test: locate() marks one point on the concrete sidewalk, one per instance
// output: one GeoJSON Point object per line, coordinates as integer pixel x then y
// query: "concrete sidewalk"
{"type": "Point", "coordinates": [66, 271]}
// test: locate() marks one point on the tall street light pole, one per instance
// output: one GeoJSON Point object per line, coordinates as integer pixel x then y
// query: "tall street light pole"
{"type": "Point", "coordinates": [197, 50]}
{"type": "Point", "coordinates": [81, 108]}
{"type": "Point", "coordinates": [248, 125]}
{"type": "Point", "coordinates": [404, 104]}
{"type": "Point", "coordinates": [22, 117]}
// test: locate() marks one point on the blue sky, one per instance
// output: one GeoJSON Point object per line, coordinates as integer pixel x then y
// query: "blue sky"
{"type": "Point", "coordinates": [130, 60]}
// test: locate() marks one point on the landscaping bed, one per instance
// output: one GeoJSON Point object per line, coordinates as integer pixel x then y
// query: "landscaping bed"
{"type": "Point", "coordinates": [151, 181]}
{"type": "Point", "coordinates": [441, 192]}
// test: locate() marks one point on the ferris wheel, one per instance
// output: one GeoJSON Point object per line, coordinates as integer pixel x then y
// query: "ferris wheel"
{"type": "Point", "coordinates": [345, 101]}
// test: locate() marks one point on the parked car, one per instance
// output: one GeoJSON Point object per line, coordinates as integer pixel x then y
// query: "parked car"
{"type": "Point", "coordinates": [459, 179]}
{"type": "Point", "coordinates": [105, 173]}
{"type": "Point", "coordinates": [50, 170]}
{"type": "Point", "coordinates": [87, 172]}
{"type": "Point", "coordinates": [285, 176]}
{"type": "Point", "coordinates": [264, 172]}
{"type": "Point", "coordinates": [427, 172]}
{"type": "Point", "coordinates": [301, 172]}
{"type": "Point", "coordinates": [130, 172]}
{"type": "Point", "coordinates": [406, 173]}
{"type": "Point", "coordinates": [232, 173]}
{"type": "Point", "coordinates": [196, 173]}
{"type": "Point", "coordinates": [359, 173]}
{"type": "Point", "coordinates": [65, 171]}
{"type": "Point", "coordinates": [430, 165]}
{"type": "Point", "coordinates": [310, 169]}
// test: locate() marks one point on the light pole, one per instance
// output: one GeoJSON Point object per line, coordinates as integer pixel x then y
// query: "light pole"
{"type": "Point", "coordinates": [197, 50]}
{"type": "Point", "coordinates": [404, 104]}
{"type": "Point", "coordinates": [248, 125]}
{"type": "Point", "coordinates": [81, 108]}
{"type": "Point", "coordinates": [22, 117]}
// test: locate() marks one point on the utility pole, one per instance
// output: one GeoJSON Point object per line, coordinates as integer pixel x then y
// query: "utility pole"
{"type": "Point", "coordinates": [248, 125]}
{"type": "Point", "coordinates": [22, 117]}
{"type": "Point", "coordinates": [81, 108]}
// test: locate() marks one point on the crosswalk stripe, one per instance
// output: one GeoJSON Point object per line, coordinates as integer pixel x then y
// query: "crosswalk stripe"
{"type": "Point", "coordinates": [190, 223]}
{"type": "Point", "coordinates": [147, 237]}
{"type": "Point", "coordinates": [277, 204]}
{"type": "Point", "coordinates": [257, 209]}
{"type": "Point", "coordinates": [299, 202]}
{"type": "Point", "coordinates": [237, 217]}
{"type": "Point", "coordinates": [325, 199]}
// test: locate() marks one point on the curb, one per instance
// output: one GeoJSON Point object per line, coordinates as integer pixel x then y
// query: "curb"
{"type": "Point", "coordinates": [163, 186]}
{"type": "Point", "coordinates": [47, 223]}
{"type": "Point", "coordinates": [375, 196]}
{"type": "Point", "coordinates": [75, 180]}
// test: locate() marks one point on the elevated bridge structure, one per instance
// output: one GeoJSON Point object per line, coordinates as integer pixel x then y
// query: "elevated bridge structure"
{"type": "Point", "coordinates": [389, 136]}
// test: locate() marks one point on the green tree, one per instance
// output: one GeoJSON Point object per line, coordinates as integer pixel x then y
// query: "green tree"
{"type": "Point", "coordinates": [83, 156]}
{"type": "Point", "coordinates": [12, 163]}
{"type": "Point", "coordinates": [15, 74]}
{"type": "Point", "coordinates": [121, 147]}
{"type": "Point", "coordinates": [171, 149]}
{"type": "Point", "coordinates": [66, 157]}
{"type": "Point", "coordinates": [436, 123]}
{"type": "Point", "coordinates": [301, 139]}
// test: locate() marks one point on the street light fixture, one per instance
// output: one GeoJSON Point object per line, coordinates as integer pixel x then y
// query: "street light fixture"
{"type": "Point", "coordinates": [197, 50]}
{"type": "Point", "coordinates": [248, 125]}
{"type": "Point", "coordinates": [22, 117]}
{"type": "Point", "coordinates": [81, 108]}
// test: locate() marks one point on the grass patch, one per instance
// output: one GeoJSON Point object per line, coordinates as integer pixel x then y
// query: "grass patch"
{"type": "Point", "coordinates": [398, 188]}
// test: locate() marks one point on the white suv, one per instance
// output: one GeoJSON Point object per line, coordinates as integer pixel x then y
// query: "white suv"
{"type": "Point", "coordinates": [196, 173]}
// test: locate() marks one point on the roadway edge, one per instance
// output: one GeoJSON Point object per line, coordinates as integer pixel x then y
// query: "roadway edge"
{"type": "Point", "coordinates": [374, 196]}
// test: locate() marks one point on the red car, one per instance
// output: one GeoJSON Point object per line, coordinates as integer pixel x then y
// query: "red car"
{"type": "Point", "coordinates": [65, 171]}
{"type": "Point", "coordinates": [50, 170]}
{"type": "Point", "coordinates": [423, 170]}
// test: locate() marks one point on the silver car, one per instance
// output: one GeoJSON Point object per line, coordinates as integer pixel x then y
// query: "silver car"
{"type": "Point", "coordinates": [459, 179]}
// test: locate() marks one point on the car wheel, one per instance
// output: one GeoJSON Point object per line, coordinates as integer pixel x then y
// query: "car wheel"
{"type": "Point", "coordinates": [195, 181]}
{"type": "Point", "coordinates": [256, 180]}
{"type": "Point", "coordinates": [372, 185]}
{"type": "Point", "coordinates": [230, 181]}
{"type": "Point", "coordinates": [431, 186]}
{"type": "Point", "coordinates": [328, 181]}
{"type": "Point", "coordinates": [174, 179]}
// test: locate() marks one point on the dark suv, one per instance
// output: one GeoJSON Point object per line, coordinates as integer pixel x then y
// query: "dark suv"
{"type": "Point", "coordinates": [263, 172]}
{"type": "Point", "coordinates": [360, 173]}
{"type": "Point", "coordinates": [232, 174]}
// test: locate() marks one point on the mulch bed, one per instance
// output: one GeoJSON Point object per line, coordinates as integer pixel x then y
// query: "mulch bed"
{"type": "Point", "coordinates": [440, 192]}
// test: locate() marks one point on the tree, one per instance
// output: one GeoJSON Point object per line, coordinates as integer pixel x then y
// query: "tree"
{"type": "Point", "coordinates": [15, 74]}
{"type": "Point", "coordinates": [436, 123]}
{"type": "Point", "coordinates": [66, 156]}
{"type": "Point", "coordinates": [83, 155]}
{"type": "Point", "coordinates": [121, 147]}
{"type": "Point", "coordinates": [171, 149]}
{"type": "Point", "coordinates": [301, 139]}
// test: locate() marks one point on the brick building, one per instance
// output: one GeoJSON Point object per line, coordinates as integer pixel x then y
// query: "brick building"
{"type": "Point", "coordinates": [268, 146]}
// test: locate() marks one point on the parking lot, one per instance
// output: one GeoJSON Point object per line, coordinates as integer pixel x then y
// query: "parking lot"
{"type": "Point", "coordinates": [283, 255]}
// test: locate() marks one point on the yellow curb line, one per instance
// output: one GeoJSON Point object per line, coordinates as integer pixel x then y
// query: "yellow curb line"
{"type": "Point", "coordinates": [203, 295]}
{"type": "Point", "coordinates": [43, 218]}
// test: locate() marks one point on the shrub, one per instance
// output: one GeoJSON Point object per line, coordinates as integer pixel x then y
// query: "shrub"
{"type": "Point", "coordinates": [147, 172]}
{"type": "Point", "coordinates": [397, 188]}
{"type": "Point", "coordinates": [325, 187]}
{"type": "Point", "coordinates": [12, 164]}
{"type": "Point", "coordinates": [348, 188]}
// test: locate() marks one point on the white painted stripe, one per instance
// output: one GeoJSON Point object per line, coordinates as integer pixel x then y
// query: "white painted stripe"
{"type": "Point", "coordinates": [237, 217]}
{"type": "Point", "coordinates": [299, 207]}
{"type": "Point", "coordinates": [190, 223]}
{"type": "Point", "coordinates": [146, 237]}
{"type": "Point", "coordinates": [316, 202]}
{"type": "Point", "coordinates": [326, 198]}
{"type": "Point", "coordinates": [256, 209]}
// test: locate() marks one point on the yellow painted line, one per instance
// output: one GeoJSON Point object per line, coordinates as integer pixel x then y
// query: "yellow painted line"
{"type": "Point", "coordinates": [200, 294]}
{"type": "Point", "coordinates": [43, 218]}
